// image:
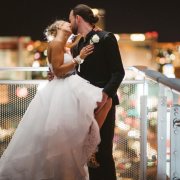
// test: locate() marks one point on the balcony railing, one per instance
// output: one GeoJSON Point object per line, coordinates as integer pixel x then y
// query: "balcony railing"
{"type": "Point", "coordinates": [147, 132]}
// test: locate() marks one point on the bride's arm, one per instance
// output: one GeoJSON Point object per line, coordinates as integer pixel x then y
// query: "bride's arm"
{"type": "Point", "coordinates": [56, 56]}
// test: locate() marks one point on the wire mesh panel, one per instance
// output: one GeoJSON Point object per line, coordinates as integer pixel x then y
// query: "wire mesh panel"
{"type": "Point", "coordinates": [14, 100]}
{"type": "Point", "coordinates": [127, 132]}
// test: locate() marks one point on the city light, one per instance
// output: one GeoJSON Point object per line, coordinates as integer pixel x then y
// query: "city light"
{"type": "Point", "coordinates": [36, 64]}
{"type": "Point", "coordinates": [95, 11]}
{"type": "Point", "coordinates": [21, 92]}
{"type": "Point", "coordinates": [137, 37]}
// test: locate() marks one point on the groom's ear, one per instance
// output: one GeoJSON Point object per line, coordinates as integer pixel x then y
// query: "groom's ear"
{"type": "Point", "coordinates": [78, 18]}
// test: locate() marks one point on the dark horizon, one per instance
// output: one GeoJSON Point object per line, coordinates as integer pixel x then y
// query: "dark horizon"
{"type": "Point", "coordinates": [30, 18]}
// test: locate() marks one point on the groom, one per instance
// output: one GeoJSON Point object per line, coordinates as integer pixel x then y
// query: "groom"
{"type": "Point", "coordinates": [103, 68]}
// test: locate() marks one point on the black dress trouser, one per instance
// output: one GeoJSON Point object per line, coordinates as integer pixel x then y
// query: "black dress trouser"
{"type": "Point", "coordinates": [106, 171]}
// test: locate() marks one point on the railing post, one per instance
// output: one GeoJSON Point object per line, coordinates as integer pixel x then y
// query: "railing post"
{"type": "Point", "coordinates": [143, 137]}
{"type": "Point", "coordinates": [175, 142]}
{"type": "Point", "coordinates": [162, 133]}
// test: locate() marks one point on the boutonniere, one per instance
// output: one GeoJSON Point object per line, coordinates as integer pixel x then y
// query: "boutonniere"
{"type": "Point", "coordinates": [95, 39]}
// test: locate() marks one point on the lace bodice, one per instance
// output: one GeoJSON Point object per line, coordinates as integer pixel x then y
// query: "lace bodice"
{"type": "Point", "coordinates": [67, 58]}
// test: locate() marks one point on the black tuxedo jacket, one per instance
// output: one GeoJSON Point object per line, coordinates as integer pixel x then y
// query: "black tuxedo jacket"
{"type": "Point", "coordinates": [103, 68]}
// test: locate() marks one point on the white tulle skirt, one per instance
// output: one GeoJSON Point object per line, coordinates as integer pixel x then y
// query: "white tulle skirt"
{"type": "Point", "coordinates": [56, 135]}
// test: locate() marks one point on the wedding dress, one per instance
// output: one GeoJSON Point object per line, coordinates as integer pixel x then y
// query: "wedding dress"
{"type": "Point", "coordinates": [57, 134]}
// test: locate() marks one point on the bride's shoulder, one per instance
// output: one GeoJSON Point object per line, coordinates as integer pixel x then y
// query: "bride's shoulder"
{"type": "Point", "coordinates": [55, 48]}
{"type": "Point", "coordinates": [55, 44]}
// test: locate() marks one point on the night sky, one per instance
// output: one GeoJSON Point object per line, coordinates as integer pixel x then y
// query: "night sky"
{"type": "Point", "coordinates": [30, 17]}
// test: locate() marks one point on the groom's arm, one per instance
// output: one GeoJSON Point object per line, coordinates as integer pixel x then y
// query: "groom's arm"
{"type": "Point", "coordinates": [115, 64]}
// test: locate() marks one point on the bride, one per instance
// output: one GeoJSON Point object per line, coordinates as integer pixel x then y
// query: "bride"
{"type": "Point", "coordinates": [59, 131]}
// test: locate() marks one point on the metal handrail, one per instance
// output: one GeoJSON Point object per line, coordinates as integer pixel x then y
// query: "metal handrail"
{"type": "Point", "coordinates": [173, 83]}
{"type": "Point", "coordinates": [24, 68]}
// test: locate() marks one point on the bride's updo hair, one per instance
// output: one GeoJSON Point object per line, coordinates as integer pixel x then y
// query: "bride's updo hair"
{"type": "Point", "coordinates": [51, 31]}
{"type": "Point", "coordinates": [86, 13]}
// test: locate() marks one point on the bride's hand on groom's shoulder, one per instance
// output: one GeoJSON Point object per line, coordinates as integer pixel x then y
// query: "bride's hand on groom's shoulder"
{"type": "Point", "coordinates": [96, 28]}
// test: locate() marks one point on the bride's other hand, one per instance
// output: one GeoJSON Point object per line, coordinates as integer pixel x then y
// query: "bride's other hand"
{"type": "Point", "coordinates": [96, 28]}
{"type": "Point", "coordinates": [50, 76]}
{"type": "Point", "coordinates": [102, 103]}
{"type": "Point", "coordinates": [86, 51]}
